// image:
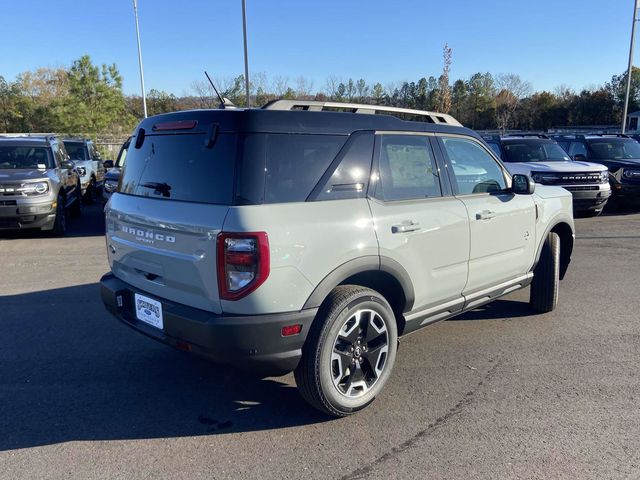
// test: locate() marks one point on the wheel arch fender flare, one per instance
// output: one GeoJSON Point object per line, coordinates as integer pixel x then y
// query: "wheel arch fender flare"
{"type": "Point", "coordinates": [361, 265]}
{"type": "Point", "coordinates": [563, 227]}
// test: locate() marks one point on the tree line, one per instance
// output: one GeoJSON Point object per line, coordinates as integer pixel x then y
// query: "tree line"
{"type": "Point", "coordinates": [88, 99]}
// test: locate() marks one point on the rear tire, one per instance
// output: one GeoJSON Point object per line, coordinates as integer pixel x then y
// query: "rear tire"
{"type": "Point", "coordinates": [60, 222]}
{"type": "Point", "coordinates": [546, 276]}
{"type": "Point", "coordinates": [349, 353]}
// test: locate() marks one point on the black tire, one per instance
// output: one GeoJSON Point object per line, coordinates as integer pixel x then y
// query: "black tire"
{"type": "Point", "coordinates": [337, 374]}
{"type": "Point", "coordinates": [91, 195]}
{"type": "Point", "coordinates": [546, 276]}
{"type": "Point", "coordinates": [76, 208]}
{"type": "Point", "coordinates": [60, 223]}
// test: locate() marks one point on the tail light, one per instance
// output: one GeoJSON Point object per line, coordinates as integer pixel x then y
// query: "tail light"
{"type": "Point", "coordinates": [243, 263]}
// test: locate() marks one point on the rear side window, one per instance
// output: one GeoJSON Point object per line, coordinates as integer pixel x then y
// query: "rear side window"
{"type": "Point", "coordinates": [295, 164]}
{"type": "Point", "coordinates": [181, 167]}
{"type": "Point", "coordinates": [278, 168]}
{"type": "Point", "coordinates": [577, 148]}
{"type": "Point", "coordinates": [496, 149]}
{"type": "Point", "coordinates": [407, 168]}
{"type": "Point", "coordinates": [350, 177]}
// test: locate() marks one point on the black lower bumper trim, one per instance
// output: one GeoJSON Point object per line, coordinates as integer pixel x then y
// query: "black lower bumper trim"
{"type": "Point", "coordinates": [252, 342]}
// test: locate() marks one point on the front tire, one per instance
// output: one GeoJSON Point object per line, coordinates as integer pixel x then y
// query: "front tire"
{"type": "Point", "coordinates": [60, 222]}
{"type": "Point", "coordinates": [349, 353]}
{"type": "Point", "coordinates": [91, 195]}
{"type": "Point", "coordinates": [546, 276]}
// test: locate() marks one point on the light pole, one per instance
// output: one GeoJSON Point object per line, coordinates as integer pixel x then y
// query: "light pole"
{"type": "Point", "coordinates": [630, 67]}
{"type": "Point", "coordinates": [246, 59]}
{"type": "Point", "coordinates": [144, 97]}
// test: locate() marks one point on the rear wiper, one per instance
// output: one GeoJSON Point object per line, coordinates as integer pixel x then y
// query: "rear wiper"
{"type": "Point", "coordinates": [158, 188]}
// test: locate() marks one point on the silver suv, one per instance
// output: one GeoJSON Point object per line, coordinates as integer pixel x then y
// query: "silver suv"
{"type": "Point", "coordinates": [300, 238]}
{"type": "Point", "coordinates": [89, 165]}
{"type": "Point", "coordinates": [38, 184]}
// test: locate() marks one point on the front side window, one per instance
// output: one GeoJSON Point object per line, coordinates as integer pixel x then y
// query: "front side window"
{"type": "Point", "coordinates": [474, 169]}
{"type": "Point", "coordinates": [407, 168]}
{"type": "Point", "coordinates": [615, 149]}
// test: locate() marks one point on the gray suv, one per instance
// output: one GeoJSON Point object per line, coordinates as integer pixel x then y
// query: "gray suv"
{"type": "Point", "coordinates": [300, 238]}
{"type": "Point", "coordinates": [38, 184]}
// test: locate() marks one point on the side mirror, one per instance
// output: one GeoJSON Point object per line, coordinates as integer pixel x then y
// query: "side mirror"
{"type": "Point", "coordinates": [579, 157]}
{"type": "Point", "coordinates": [107, 164]}
{"type": "Point", "coordinates": [68, 164]}
{"type": "Point", "coordinates": [522, 184]}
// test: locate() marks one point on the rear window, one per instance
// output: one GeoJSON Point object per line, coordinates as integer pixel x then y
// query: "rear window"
{"type": "Point", "coordinates": [273, 168]}
{"type": "Point", "coordinates": [181, 167]}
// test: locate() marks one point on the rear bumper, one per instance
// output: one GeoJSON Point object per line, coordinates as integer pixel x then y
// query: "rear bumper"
{"type": "Point", "coordinates": [249, 342]}
{"type": "Point", "coordinates": [23, 215]}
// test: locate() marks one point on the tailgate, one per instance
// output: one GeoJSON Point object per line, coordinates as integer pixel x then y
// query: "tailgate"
{"type": "Point", "coordinates": [166, 248]}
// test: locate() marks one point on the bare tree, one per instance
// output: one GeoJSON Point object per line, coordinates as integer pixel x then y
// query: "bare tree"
{"type": "Point", "coordinates": [331, 87]}
{"type": "Point", "coordinates": [204, 93]}
{"type": "Point", "coordinates": [511, 89]}
{"type": "Point", "coordinates": [280, 85]}
{"type": "Point", "coordinates": [443, 94]}
{"type": "Point", "coordinates": [304, 88]}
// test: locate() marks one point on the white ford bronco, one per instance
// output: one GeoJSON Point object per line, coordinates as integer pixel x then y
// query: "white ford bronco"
{"type": "Point", "coordinates": [298, 237]}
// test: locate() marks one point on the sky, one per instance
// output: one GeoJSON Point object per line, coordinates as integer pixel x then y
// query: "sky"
{"type": "Point", "coordinates": [578, 43]}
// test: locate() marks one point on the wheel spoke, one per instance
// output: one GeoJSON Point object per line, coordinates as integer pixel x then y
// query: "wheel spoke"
{"type": "Point", "coordinates": [373, 355]}
{"type": "Point", "coordinates": [344, 361]}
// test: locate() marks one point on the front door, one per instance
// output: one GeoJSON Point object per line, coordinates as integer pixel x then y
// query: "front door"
{"type": "Point", "coordinates": [501, 224]}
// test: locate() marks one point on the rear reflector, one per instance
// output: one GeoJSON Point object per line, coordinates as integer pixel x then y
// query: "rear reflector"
{"type": "Point", "coordinates": [178, 125]}
{"type": "Point", "coordinates": [291, 330]}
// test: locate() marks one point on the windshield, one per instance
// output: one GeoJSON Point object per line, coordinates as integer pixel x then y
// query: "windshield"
{"type": "Point", "coordinates": [19, 157]}
{"type": "Point", "coordinates": [534, 151]}
{"type": "Point", "coordinates": [76, 150]}
{"type": "Point", "coordinates": [615, 149]}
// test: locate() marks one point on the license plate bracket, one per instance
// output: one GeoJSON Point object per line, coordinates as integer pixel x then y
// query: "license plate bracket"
{"type": "Point", "coordinates": [148, 311]}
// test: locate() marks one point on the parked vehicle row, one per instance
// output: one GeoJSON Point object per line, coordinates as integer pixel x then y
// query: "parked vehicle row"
{"type": "Point", "coordinates": [299, 238]}
{"type": "Point", "coordinates": [544, 160]}
{"type": "Point", "coordinates": [577, 168]}
{"type": "Point", "coordinates": [43, 178]}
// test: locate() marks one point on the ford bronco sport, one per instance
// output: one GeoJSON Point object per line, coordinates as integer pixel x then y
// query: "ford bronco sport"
{"type": "Point", "coordinates": [38, 184]}
{"type": "Point", "coordinates": [547, 163]}
{"type": "Point", "coordinates": [85, 155]}
{"type": "Point", "coordinates": [292, 238]}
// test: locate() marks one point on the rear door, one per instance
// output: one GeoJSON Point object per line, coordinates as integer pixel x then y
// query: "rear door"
{"type": "Point", "coordinates": [418, 222]}
{"type": "Point", "coordinates": [502, 225]}
{"type": "Point", "coordinates": [162, 227]}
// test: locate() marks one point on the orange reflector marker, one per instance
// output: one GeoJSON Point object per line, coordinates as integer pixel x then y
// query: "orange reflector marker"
{"type": "Point", "coordinates": [184, 346]}
{"type": "Point", "coordinates": [291, 330]}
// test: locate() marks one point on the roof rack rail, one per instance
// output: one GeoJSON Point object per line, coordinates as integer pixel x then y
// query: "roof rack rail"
{"type": "Point", "coordinates": [47, 136]}
{"type": "Point", "coordinates": [528, 134]}
{"type": "Point", "coordinates": [317, 106]}
{"type": "Point", "coordinates": [621, 135]}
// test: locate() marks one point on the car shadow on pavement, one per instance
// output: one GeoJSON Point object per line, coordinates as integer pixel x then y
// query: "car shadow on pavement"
{"type": "Point", "coordinates": [496, 310]}
{"type": "Point", "coordinates": [71, 372]}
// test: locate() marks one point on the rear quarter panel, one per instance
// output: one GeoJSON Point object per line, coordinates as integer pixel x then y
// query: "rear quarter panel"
{"type": "Point", "coordinates": [307, 241]}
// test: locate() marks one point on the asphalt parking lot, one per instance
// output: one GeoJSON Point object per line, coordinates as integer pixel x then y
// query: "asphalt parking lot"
{"type": "Point", "coordinates": [497, 393]}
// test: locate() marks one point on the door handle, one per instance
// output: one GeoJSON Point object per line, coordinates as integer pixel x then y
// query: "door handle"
{"type": "Point", "coordinates": [405, 227]}
{"type": "Point", "coordinates": [485, 215]}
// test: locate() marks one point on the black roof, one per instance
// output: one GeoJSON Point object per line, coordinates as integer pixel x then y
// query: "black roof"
{"type": "Point", "coordinates": [26, 141]}
{"type": "Point", "coordinates": [296, 121]}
